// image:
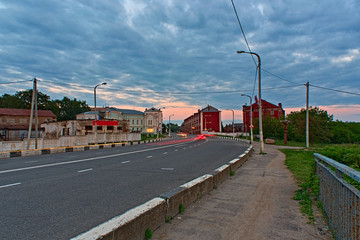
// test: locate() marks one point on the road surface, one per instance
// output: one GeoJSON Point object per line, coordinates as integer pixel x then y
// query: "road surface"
{"type": "Point", "coordinates": [59, 196]}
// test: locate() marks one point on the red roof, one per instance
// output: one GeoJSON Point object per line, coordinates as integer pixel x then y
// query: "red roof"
{"type": "Point", "coordinates": [25, 112]}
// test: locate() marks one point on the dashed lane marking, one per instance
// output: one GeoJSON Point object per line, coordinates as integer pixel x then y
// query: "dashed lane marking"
{"type": "Point", "coordinates": [10, 185]}
{"type": "Point", "coordinates": [85, 170]}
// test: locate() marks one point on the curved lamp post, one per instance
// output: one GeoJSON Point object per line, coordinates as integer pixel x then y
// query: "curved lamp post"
{"type": "Point", "coordinates": [260, 106]}
{"type": "Point", "coordinates": [104, 83]}
{"type": "Point", "coordinates": [251, 123]}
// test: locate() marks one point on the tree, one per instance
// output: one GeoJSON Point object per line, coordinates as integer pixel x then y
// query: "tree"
{"type": "Point", "coordinates": [22, 100]}
{"type": "Point", "coordinates": [67, 108]}
{"type": "Point", "coordinates": [319, 125]}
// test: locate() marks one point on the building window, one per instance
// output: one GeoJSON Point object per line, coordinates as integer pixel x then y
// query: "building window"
{"type": "Point", "coordinates": [272, 112]}
{"type": "Point", "coordinates": [137, 121]}
{"type": "Point", "coordinates": [110, 128]}
{"type": "Point", "coordinates": [10, 120]}
{"type": "Point", "coordinates": [99, 128]}
{"type": "Point", "coordinates": [133, 121]}
{"type": "Point", "coordinates": [88, 128]}
{"type": "Point", "coordinates": [119, 128]}
{"type": "Point", "coordinates": [23, 120]}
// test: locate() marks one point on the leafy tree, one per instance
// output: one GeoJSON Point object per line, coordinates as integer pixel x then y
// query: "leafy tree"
{"type": "Point", "coordinates": [319, 125]}
{"type": "Point", "coordinates": [10, 101]}
{"type": "Point", "coordinates": [345, 132]}
{"type": "Point", "coordinates": [67, 108]}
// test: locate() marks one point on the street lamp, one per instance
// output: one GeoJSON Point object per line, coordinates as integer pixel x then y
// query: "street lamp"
{"type": "Point", "coordinates": [232, 123]}
{"type": "Point", "coordinates": [260, 107]}
{"type": "Point", "coordinates": [104, 83]}
{"type": "Point", "coordinates": [251, 124]}
{"type": "Point", "coordinates": [170, 125]}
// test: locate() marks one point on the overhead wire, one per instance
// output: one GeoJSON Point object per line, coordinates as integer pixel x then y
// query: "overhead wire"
{"type": "Point", "coordinates": [335, 90]}
{"type": "Point", "coordinates": [3, 83]}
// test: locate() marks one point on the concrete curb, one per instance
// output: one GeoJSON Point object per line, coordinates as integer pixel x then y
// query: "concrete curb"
{"type": "Point", "coordinates": [33, 152]}
{"type": "Point", "coordinates": [152, 214]}
{"type": "Point", "coordinates": [130, 225]}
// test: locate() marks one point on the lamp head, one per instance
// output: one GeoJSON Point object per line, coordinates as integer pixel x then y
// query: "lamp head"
{"type": "Point", "coordinates": [104, 83]}
{"type": "Point", "coordinates": [240, 52]}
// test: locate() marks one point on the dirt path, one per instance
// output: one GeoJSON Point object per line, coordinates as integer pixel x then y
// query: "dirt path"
{"type": "Point", "coordinates": [254, 204]}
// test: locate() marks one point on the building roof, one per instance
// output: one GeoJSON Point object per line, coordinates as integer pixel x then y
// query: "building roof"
{"type": "Point", "coordinates": [25, 112]}
{"type": "Point", "coordinates": [209, 109]}
{"type": "Point", "coordinates": [128, 111]}
{"type": "Point", "coordinates": [153, 109]}
{"type": "Point", "coordinates": [264, 104]}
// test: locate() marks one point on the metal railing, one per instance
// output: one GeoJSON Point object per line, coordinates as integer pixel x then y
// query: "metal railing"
{"type": "Point", "coordinates": [341, 200]}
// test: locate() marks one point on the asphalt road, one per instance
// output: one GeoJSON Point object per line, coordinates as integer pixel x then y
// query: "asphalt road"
{"type": "Point", "coordinates": [59, 196]}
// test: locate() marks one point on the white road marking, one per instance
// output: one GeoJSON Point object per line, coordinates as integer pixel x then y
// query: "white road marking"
{"type": "Point", "coordinates": [10, 185]}
{"type": "Point", "coordinates": [87, 159]}
{"type": "Point", "coordinates": [168, 169]}
{"type": "Point", "coordinates": [31, 161]}
{"type": "Point", "coordinates": [176, 150]}
{"type": "Point", "coordinates": [125, 162]}
{"type": "Point", "coordinates": [149, 157]}
{"type": "Point", "coordinates": [165, 152]}
{"type": "Point", "coordinates": [85, 170]}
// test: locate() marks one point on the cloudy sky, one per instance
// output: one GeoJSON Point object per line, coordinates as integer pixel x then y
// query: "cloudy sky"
{"type": "Point", "coordinates": [182, 54]}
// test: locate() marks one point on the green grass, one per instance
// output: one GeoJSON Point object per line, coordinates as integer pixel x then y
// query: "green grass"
{"type": "Point", "coordinates": [148, 233]}
{"type": "Point", "coordinates": [303, 166]}
{"type": "Point", "coordinates": [181, 208]}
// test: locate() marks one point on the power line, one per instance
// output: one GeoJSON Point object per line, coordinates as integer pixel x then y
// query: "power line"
{"type": "Point", "coordinates": [242, 30]}
{"type": "Point", "coordinates": [16, 82]}
{"type": "Point", "coordinates": [278, 76]}
{"type": "Point", "coordinates": [335, 90]}
{"type": "Point", "coordinates": [172, 92]}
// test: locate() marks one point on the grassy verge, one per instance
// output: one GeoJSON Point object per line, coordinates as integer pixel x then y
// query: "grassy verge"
{"type": "Point", "coordinates": [303, 166]}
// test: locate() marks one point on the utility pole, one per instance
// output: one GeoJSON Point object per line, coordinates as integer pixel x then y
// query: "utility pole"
{"type": "Point", "coordinates": [31, 115]}
{"type": "Point", "coordinates": [307, 115]}
{"type": "Point", "coordinates": [36, 116]}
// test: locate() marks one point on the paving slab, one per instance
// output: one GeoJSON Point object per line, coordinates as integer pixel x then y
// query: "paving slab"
{"type": "Point", "coordinates": [256, 203]}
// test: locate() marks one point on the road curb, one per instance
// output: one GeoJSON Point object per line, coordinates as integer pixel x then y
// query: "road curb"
{"type": "Point", "coordinates": [133, 224]}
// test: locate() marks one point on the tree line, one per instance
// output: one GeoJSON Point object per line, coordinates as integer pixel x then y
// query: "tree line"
{"type": "Point", "coordinates": [64, 109]}
{"type": "Point", "coordinates": [322, 127]}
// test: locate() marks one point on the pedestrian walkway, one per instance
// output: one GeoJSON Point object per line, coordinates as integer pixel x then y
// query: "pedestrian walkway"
{"type": "Point", "coordinates": [256, 203]}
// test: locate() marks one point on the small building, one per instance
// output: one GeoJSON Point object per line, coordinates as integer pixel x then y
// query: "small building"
{"type": "Point", "coordinates": [268, 109]}
{"type": "Point", "coordinates": [238, 127]}
{"type": "Point", "coordinates": [205, 120]}
{"type": "Point", "coordinates": [14, 123]}
{"type": "Point", "coordinates": [153, 120]}
{"type": "Point", "coordinates": [84, 127]}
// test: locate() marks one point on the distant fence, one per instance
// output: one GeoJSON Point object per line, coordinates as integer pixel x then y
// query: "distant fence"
{"type": "Point", "coordinates": [341, 201]}
{"type": "Point", "coordinates": [67, 141]}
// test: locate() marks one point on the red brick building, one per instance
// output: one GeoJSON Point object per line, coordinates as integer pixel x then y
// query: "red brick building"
{"type": "Point", "coordinates": [268, 109]}
{"type": "Point", "coordinates": [206, 120]}
{"type": "Point", "coordinates": [14, 123]}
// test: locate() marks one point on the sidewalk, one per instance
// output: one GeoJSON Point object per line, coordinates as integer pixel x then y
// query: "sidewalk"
{"type": "Point", "coordinates": [256, 203]}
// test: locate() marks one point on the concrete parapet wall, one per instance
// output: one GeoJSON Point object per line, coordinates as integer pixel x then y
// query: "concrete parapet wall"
{"type": "Point", "coordinates": [130, 225]}
{"type": "Point", "coordinates": [133, 224]}
{"type": "Point", "coordinates": [220, 174]}
{"type": "Point", "coordinates": [67, 141]}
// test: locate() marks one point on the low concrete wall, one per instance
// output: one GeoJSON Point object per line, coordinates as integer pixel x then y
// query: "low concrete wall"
{"type": "Point", "coordinates": [133, 224]}
{"type": "Point", "coordinates": [67, 141]}
{"type": "Point", "coordinates": [130, 225]}
{"type": "Point", "coordinates": [220, 174]}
